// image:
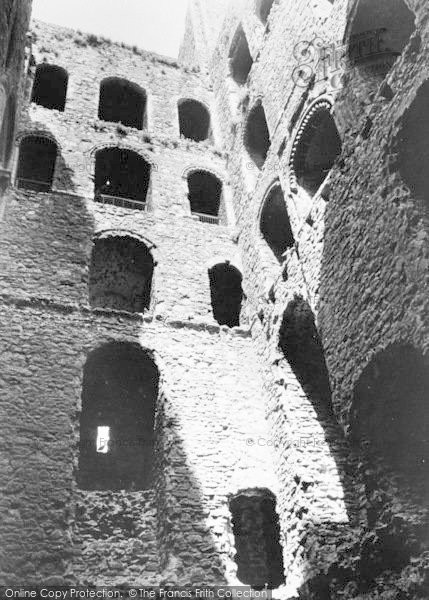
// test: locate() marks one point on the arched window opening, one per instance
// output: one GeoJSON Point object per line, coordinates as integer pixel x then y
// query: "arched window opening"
{"type": "Point", "coordinates": [122, 178]}
{"type": "Point", "coordinates": [122, 101]}
{"type": "Point", "coordinates": [264, 8]}
{"type": "Point", "coordinates": [256, 530]}
{"type": "Point", "coordinates": [257, 135]}
{"type": "Point", "coordinates": [205, 193]}
{"type": "Point", "coordinates": [121, 274]}
{"type": "Point", "coordinates": [379, 32]}
{"type": "Point", "coordinates": [50, 87]}
{"type": "Point", "coordinates": [241, 60]}
{"type": "Point", "coordinates": [226, 294]}
{"type": "Point", "coordinates": [7, 132]}
{"type": "Point", "coordinates": [317, 147]}
{"type": "Point", "coordinates": [119, 395]}
{"type": "Point", "coordinates": [414, 147]}
{"type": "Point", "coordinates": [390, 417]}
{"type": "Point", "coordinates": [36, 163]}
{"type": "Point", "coordinates": [275, 224]}
{"type": "Point", "coordinates": [194, 120]}
{"type": "Point", "coordinates": [302, 347]}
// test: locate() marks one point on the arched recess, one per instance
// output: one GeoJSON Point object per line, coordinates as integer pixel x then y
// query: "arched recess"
{"type": "Point", "coordinates": [389, 424]}
{"type": "Point", "coordinates": [205, 195]}
{"type": "Point", "coordinates": [275, 224]}
{"type": "Point", "coordinates": [377, 34]}
{"type": "Point", "coordinates": [194, 120]}
{"type": "Point", "coordinates": [302, 347]}
{"type": "Point", "coordinates": [226, 293]}
{"type": "Point", "coordinates": [240, 59]}
{"type": "Point", "coordinates": [390, 416]}
{"type": "Point", "coordinates": [316, 147]}
{"type": "Point", "coordinates": [263, 9]}
{"type": "Point", "coordinates": [256, 529]}
{"type": "Point", "coordinates": [119, 398]}
{"type": "Point", "coordinates": [121, 174]}
{"type": "Point", "coordinates": [50, 86]}
{"type": "Point", "coordinates": [413, 145]}
{"type": "Point", "coordinates": [122, 101]}
{"type": "Point", "coordinates": [257, 136]}
{"type": "Point", "coordinates": [121, 274]}
{"type": "Point", "coordinates": [36, 163]}
{"type": "Point", "coordinates": [7, 131]}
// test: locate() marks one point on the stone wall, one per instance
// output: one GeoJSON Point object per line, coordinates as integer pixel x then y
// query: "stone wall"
{"type": "Point", "coordinates": [14, 51]}
{"type": "Point", "coordinates": [209, 404]}
{"type": "Point", "coordinates": [337, 327]}
{"type": "Point", "coordinates": [355, 242]}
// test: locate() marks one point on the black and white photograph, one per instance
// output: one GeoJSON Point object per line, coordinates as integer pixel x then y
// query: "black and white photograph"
{"type": "Point", "coordinates": [214, 307]}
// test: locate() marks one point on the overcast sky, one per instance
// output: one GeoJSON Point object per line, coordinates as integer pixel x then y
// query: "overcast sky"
{"type": "Point", "coordinates": [155, 25]}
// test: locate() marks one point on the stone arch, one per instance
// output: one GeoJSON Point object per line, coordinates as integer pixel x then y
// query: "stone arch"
{"type": "Point", "coordinates": [257, 135]}
{"type": "Point", "coordinates": [122, 101]}
{"type": "Point", "coordinates": [50, 86]}
{"type": "Point", "coordinates": [315, 149]}
{"type": "Point", "coordinates": [121, 173]}
{"type": "Point", "coordinates": [7, 132]}
{"type": "Point", "coordinates": [388, 426]}
{"type": "Point", "coordinates": [121, 273]}
{"type": "Point", "coordinates": [256, 529]}
{"type": "Point", "coordinates": [301, 345]}
{"type": "Point", "coordinates": [36, 162]}
{"type": "Point", "coordinates": [413, 146]}
{"type": "Point", "coordinates": [119, 399]}
{"type": "Point", "coordinates": [377, 34]}
{"type": "Point", "coordinates": [274, 222]}
{"type": "Point", "coordinates": [240, 59]}
{"type": "Point", "coordinates": [194, 120]}
{"type": "Point", "coordinates": [204, 194]}
{"type": "Point", "coordinates": [226, 293]}
{"type": "Point", "coordinates": [389, 415]}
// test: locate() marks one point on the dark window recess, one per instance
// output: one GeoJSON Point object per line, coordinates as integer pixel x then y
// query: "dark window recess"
{"type": "Point", "coordinates": [240, 58]}
{"type": "Point", "coordinates": [390, 416]}
{"type": "Point", "coordinates": [205, 192]}
{"type": "Point", "coordinates": [379, 32]}
{"type": "Point", "coordinates": [50, 87]}
{"type": "Point", "coordinates": [120, 391]}
{"type": "Point", "coordinates": [318, 147]}
{"type": "Point", "coordinates": [256, 529]}
{"type": "Point", "coordinates": [121, 173]}
{"type": "Point", "coordinates": [257, 136]}
{"type": "Point", "coordinates": [414, 147]}
{"type": "Point", "coordinates": [226, 294]}
{"type": "Point", "coordinates": [264, 9]}
{"type": "Point", "coordinates": [275, 224]}
{"type": "Point", "coordinates": [122, 101]}
{"type": "Point", "coordinates": [36, 163]}
{"type": "Point", "coordinates": [7, 132]}
{"type": "Point", "coordinates": [302, 347]}
{"type": "Point", "coordinates": [194, 120]}
{"type": "Point", "coordinates": [121, 274]}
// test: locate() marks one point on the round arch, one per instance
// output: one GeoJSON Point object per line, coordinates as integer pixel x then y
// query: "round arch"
{"type": "Point", "coordinates": [315, 148]}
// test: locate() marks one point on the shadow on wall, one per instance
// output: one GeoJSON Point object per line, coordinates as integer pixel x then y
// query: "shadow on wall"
{"type": "Point", "coordinates": [302, 347]}
{"type": "Point", "coordinates": [49, 238]}
{"type": "Point", "coordinates": [369, 306]}
{"type": "Point", "coordinates": [189, 551]}
{"type": "Point", "coordinates": [141, 508]}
